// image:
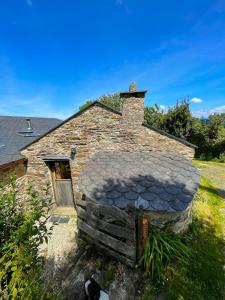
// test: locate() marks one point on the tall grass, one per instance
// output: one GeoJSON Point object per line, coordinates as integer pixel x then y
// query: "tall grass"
{"type": "Point", "coordinates": [162, 248]}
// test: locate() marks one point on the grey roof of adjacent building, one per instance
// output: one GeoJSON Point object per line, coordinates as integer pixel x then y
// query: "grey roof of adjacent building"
{"type": "Point", "coordinates": [11, 140]}
{"type": "Point", "coordinates": [158, 181]}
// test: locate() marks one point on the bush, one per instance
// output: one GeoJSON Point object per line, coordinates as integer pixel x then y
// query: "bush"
{"type": "Point", "coordinates": [222, 157]}
{"type": "Point", "coordinates": [160, 249]}
{"type": "Point", "coordinates": [206, 156]}
{"type": "Point", "coordinates": [22, 230]}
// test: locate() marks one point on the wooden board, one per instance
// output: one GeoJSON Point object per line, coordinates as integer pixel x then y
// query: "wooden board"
{"type": "Point", "coordinates": [115, 230]}
{"type": "Point", "coordinates": [100, 237]}
{"type": "Point", "coordinates": [114, 212]}
{"type": "Point", "coordinates": [110, 252]}
{"type": "Point", "coordinates": [110, 229]}
{"type": "Point", "coordinates": [81, 202]}
{"type": "Point", "coordinates": [63, 192]}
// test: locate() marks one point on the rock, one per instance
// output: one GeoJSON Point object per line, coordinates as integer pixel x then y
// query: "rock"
{"type": "Point", "coordinates": [122, 290]}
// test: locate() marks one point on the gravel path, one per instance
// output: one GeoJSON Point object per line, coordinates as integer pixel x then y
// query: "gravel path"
{"type": "Point", "coordinates": [63, 238]}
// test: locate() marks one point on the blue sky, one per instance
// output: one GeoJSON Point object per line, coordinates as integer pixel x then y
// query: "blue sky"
{"type": "Point", "coordinates": [55, 55]}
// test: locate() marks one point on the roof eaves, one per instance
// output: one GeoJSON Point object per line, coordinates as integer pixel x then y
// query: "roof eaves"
{"type": "Point", "coordinates": [170, 136]}
{"type": "Point", "coordinates": [73, 116]}
{"type": "Point", "coordinates": [7, 164]}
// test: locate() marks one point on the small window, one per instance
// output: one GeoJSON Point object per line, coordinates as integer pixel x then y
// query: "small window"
{"type": "Point", "coordinates": [61, 169]}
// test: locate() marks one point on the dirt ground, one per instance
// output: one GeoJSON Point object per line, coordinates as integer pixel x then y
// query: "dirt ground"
{"type": "Point", "coordinates": [63, 238]}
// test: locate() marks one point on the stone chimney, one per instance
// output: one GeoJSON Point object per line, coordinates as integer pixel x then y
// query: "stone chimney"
{"type": "Point", "coordinates": [133, 105]}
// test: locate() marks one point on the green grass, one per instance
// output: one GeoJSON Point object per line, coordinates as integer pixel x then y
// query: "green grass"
{"type": "Point", "coordinates": [204, 277]}
{"type": "Point", "coordinates": [200, 163]}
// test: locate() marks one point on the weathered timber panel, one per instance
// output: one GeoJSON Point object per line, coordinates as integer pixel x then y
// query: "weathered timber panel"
{"type": "Point", "coordinates": [110, 229]}
{"type": "Point", "coordinates": [113, 212]}
{"type": "Point", "coordinates": [112, 253]}
{"type": "Point", "coordinates": [106, 239]}
{"type": "Point", "coordinates": [116, 230]}
{"type": "Point", "coordinates": [64, 194]}
{"type": "Point", "coordinates": [80, 202]}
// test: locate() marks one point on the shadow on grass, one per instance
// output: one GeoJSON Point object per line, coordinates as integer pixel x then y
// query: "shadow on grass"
{"type": "Point", "coordinates": [214, 191]}
{"type": "Point", "coordinates": [209, 189]}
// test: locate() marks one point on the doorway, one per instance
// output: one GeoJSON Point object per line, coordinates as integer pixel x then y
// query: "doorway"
{"type": "Point", "coordinates": [62, 183]}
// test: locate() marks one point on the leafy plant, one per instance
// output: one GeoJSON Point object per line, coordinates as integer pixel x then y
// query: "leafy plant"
{"type": "Point", "coordinates": [160, 249]}
{"type": "Point", "coordinates": [154, 116]}
{"type": "Point", "coordinates": [111, 100]}
{"type": "Point", "coordinates": [178, 120]}
{"type": "Point", "coordinates": [22, 230]}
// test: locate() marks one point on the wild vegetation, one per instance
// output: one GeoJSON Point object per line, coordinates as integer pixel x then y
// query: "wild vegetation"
{"type": "Point", "coordinates": [207, 134]}
{"type": "Point", "coordinates": [22, 230]}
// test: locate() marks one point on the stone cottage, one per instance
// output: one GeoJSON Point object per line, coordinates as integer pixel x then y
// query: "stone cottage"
{"type": "Point", "coordinates": [115, 158]}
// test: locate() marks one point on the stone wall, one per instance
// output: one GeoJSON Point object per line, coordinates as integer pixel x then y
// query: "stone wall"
{"type": "Point", "coordinates": [95, 129]}
{"type": "Point", "coordinates": [133, 111]}
{"type": "Point", "coordinates": [175, 221]}
{"type": "Point", "coordinates": [16, 168]}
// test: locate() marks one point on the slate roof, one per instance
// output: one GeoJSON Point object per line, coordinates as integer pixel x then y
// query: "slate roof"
{"type": "Point", "coordinates": [11, 142]}
{"type": "Point", "coordinates": [156, 180]}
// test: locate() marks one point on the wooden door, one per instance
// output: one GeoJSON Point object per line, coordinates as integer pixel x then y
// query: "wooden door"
{"type": "Point", "coordinates": [62, 183]}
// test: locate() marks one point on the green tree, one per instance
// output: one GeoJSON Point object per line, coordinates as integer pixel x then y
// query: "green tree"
{"type": "Point", "coordinates": [178, 120]}
{"type": "Point", "coordinates": [154, 116]}
{"type": "Point", "coordinates": [111, 100]}
{"type": "Point", "coordinates": [209, 136]}
{"type": "Point", "coordinates": [86, 104]}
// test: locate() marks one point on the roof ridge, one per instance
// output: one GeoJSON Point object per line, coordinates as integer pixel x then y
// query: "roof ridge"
{"type": "Point", "coordinates": [183, 141]}
{"type": "Point", "coordinates": [21, 117]}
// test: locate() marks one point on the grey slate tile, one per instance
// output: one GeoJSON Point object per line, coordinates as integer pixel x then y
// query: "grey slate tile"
{"type": "Point", "coordinates": [131, 195]}
{"type": "Point", "coordinates": [164, 181]}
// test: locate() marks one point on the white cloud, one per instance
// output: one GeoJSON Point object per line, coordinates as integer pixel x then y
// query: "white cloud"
{"type": "Point", "coordinates": [208, 112]}
{"type": "Point", "coordinates": [124, 5]}
{"type": "Point", "coordinates": [29, 3]}
{"type": "Point", "coordinates": [196, 100]}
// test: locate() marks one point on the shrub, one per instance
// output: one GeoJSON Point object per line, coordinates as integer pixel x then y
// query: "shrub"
{"type": "Point", "coordinates": [160, 249]}
{"type": "Point", "coordinates": [222, 157]}
{"type": "Point", "coordinates": [22, 230]}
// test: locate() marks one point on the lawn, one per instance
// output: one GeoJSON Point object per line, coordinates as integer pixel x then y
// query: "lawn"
{"type": "Point", "coordinates": [204, 276]}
